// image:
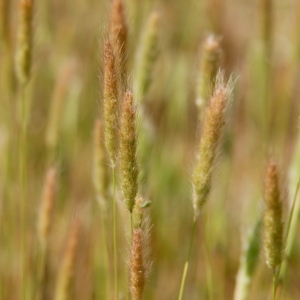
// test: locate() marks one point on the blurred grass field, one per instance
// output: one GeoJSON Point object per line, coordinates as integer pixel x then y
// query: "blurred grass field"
{"type": "Point", "coordinates": [67, 69]}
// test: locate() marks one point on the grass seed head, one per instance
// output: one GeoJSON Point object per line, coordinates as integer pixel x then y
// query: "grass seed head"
{"type": "Point", "coordinates": [110, 102]}
{"type": "Point", "coordinates": [128, 165]}
{"type": "Point", "coordinates": [272, 221]}
{"type": "Point", "coordinates": [137, 269]}
{"type": "Point", "coordinates": [209, 65]}
{"type": "Point", "coordinates": [212, 131]}
{"type": "Point", "coordinates": [118, 32]}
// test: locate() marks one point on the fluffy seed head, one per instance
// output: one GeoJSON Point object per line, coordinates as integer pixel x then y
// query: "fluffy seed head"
{"type": "Point", "coordinates": [212, 131]}
{"type": "Point", "coordinates": [118, 32]}
{"type": "Point", "coordinates": [110, 102]}
{"type": "Point", "coordinates": [46, 209]}
{"type": "Point", "coordinates": [272, 221]}
{"type": "Point", "coordinates": [127, 157]}
{"type": "Point", "coordinates": [24, 42]}
{"type": "Point", "coordinates": [210, 62]}
{"type": "Point", "coordinates": [137, 269]}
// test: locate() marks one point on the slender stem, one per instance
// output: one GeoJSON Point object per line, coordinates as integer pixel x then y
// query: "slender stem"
{"type": "Point", "coordinates": [274, 285]}
{"type": "Point", "coordinates": [22, 161]}
{"type": "Point", "coordinates": [186, 265]}
{"type": "Point", "coordinates": [289, 233]}
{"type": "Point", "coordinates": [115, 233]}
{"type": "Point", "coordinates": [131, 223]}
{"type": "Point", "coordinates": [106, 256]}
{"type": "Point", "coordinates": [208, 261]}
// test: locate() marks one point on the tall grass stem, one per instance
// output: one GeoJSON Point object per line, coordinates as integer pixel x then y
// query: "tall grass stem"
{"type": "Point", "coordinates": [186, 265]}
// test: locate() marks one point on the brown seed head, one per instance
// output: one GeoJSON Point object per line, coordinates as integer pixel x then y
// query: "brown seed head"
{"type": "Point", "coordinates": [127, 157]}
{"type": "Point", "coordinates": [137, 269]}
{"type": "Point", "coordinates": [210, 62]}
{"type": "Point", "coordinates": [272, 221]}
{"type": "Point", "coordinates": [24, 42]}
{"type": "Point", "coordinates": [110, 102]}
{"type": "Point", "coordinates": [212, 131]}
{"type": "Point", "coordinates": [46, 209]}
{"type": "Point", "coordinates": [118, 32]}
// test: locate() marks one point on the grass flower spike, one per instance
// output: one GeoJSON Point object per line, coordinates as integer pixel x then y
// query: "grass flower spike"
{"type": "Point", "coordinates": [212, 131]}
{"type": "Point", "coordinates": [110, 102]}
{"type": "Point", "coordinates": [118, 33]}
{"type": "Point", "coordinates": [210, 62]}
{"type": "Point", "coordinates": [127, 156]}
{"type": "Point", "coordinates": [137, 269]}
{"type": "Point", "coordinates": [272, 221]}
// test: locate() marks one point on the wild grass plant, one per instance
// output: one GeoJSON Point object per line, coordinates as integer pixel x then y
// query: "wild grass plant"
{"type": "Point", "coordinates": [149, 150]}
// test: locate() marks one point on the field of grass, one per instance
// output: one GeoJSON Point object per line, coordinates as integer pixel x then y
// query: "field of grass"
{"type": "Point", "coordinates": [149, 149]}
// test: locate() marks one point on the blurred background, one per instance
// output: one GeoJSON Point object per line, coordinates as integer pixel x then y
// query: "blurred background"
{"type": "Point", "coordinates": [67, 68]}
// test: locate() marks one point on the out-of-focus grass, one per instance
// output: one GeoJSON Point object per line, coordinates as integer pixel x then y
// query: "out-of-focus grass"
{"type": "Point", "coordinates": [74, 31]}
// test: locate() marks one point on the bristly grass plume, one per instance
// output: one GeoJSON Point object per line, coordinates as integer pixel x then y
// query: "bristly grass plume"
{"type": "Point", "coordinates": [212, 131]}
{"type": "Point", "coordinates": [272, 221]}
{"type": "Point", "coordinates": [128, 164]}
{"type": "Point", "coordinates": [137, 267]}
{"type": "Point", "coordinates": [118, 35]}
{"type": "Point", "coordinates": [209, 65]}
{"type": "Point", "coordinates": [110, 101]}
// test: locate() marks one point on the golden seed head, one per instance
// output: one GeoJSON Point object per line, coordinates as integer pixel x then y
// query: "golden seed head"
{"type": "Point", "coordinates": [272, 221]}
{"type": "Point", "coordinates": [118, 31]}
{"type": "Point", "coordinates": [110, 102]}
{"type": "Point", "coordinates": [47, 204]}
{"type": "Point", "coordinates": [101, 172]}
{"type": "Point", "coordinates": [128, 165]}
{"type": "Point", "coordinates": [24, 42]}
{"type": "Point", "coordinates": [137, 269]}
{"type": "Point", "coordinates": [209, 65]}
{"type": "Point", "coordinates": [212, 130]}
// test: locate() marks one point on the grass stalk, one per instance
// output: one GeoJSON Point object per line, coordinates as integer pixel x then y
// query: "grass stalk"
{"type": "Point", "coordinates": [186, 265]}
{"type": "Point", "coordinates": [290, 232]}
{"type": "Point", "coordinates": [105, 243]}
{"type": "Point", "coordinates": [275, 284]}
{"type": "Point", "coordinates": [23, 190]}
{"type": "Point", "coordinates": [208, 261]}
{"type": "Point", "coordinates": [115, 232]}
